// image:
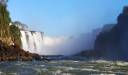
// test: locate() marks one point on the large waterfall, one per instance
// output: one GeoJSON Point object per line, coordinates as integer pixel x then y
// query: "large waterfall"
{"type": "Point", "coordinates": [32, 41]}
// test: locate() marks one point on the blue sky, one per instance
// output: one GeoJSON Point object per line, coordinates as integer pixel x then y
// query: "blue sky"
{"type": "Point", "coordinates": [65, 17]}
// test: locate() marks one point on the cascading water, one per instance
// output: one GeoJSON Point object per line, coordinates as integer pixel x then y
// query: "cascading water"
{"type": "Point", "coordinates": [32, 41]}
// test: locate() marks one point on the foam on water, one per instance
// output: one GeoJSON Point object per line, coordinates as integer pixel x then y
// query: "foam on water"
{"type": "Point", "coordinates": [63, 67]}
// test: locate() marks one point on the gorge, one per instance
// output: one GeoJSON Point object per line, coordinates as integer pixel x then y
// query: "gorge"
{"type": "Point", "coordinates": [112, 41]}
{"type": "Point", "coordinates": [112, 44]}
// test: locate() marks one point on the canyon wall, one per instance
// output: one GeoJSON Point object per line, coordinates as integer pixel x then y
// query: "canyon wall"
{"type": "Point", "coordinates": [113, 44]}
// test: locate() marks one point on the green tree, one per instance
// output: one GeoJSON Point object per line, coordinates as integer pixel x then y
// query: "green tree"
{"type": "Point", "coordinates": [8, 33]}
{"type": "Point", "coordinates": [4, 24]}
{"type": "Point", "coordinates": [15, 34]}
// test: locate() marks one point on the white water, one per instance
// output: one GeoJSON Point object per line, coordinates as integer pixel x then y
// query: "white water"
{"type": "Point", "coordinates": [63, 67]}
{"type": "Point", "coordinates": [32, 41]}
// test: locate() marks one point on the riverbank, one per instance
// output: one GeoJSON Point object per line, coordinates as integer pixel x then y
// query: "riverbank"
{"type": "Point", "coordinates": [13, 53]}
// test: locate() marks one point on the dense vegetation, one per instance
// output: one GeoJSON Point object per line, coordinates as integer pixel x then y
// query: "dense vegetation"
{"type": "Point", "coordinates": [10, 41]}
{"type": "Point", "coordinates": [12, 53]}
{"type": "Point", "coordinates": [4, 25]}
{"type": "Point", "coordinates": [15, 34]}
{"type": "Point", "coordinates": [8, 33]}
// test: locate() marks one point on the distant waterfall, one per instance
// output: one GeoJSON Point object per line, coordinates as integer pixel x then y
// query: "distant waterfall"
{"type": "Point", "coordinates": [32, 41]}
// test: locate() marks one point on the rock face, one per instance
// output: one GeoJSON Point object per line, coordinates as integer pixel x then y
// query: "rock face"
{"type": "Point", "coordinates": [11, 53]}
{"type": "Point", "coordinates": [113, 43]}
{"type": "Point", "coordinates": [10, 40]}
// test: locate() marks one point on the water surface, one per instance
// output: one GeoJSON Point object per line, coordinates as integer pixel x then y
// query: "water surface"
{"type": "Point", "coordinates": [64, 67]}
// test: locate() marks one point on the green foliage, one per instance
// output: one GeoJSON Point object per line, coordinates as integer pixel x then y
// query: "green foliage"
{"type": "Point", "coordinates": [4, 24]}
{"type": "Point", "coordinates": [8, 34]}
{"type": "Point", "coordinates": [15, 34]}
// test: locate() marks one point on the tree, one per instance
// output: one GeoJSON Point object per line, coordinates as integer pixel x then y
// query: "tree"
{"type": "Point", "coordinates": [15, 34]}
{"type": "Point", "coordinates": [4, 24]}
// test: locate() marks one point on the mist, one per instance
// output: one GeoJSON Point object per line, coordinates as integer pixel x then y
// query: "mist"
{"type": "Point", "coordinates": [68, 45]}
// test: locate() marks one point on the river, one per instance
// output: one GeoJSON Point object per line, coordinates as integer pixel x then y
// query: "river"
{"type": "Point", "coordinates": [64, 67]}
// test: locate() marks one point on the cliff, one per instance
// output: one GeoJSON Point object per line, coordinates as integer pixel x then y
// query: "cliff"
{"type": "Point", "coordinates": [13, 53]}
{"type": "Point", "coordinates": [5, 19]}
{"type": "Point", "coordinates": [113, 43]}
{"type": "Point", "coordinates": [10, 38]}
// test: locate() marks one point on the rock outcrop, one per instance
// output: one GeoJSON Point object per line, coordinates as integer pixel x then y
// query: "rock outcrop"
{"type": "Point", "coordinates": [10, 41]}
{"type": "Point", "coordinates": [113, 43]}
{"type": "Point", "coordinates": [11, 53]}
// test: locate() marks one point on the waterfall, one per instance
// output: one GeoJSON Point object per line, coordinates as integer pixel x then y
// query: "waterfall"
{"type": "Point", "coordinates": [32, 41]}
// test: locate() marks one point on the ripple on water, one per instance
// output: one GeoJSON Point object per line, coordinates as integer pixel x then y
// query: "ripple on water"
{"type": "Point", "coordinates": [121, 63]}
{"type": "Point", "coordinates": [64, 68]}
{"type": "Point", "coordinates": [89, 69]}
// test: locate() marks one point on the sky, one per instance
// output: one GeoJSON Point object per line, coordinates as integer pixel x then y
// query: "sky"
{"type": "Point", "coordinates": [65, 17]}
{"type": "Point", "coordinates": [67, 24]}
